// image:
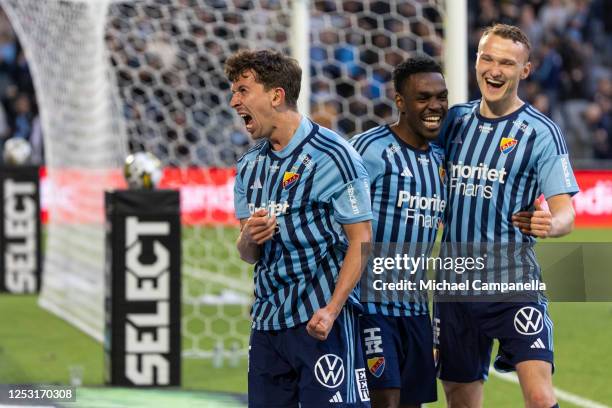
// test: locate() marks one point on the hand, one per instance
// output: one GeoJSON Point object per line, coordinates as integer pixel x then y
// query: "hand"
{"type": "Point", "coordinates": [537, 223]}
{"type": "Point", "coordinates": [321, 323]}
{"type": "Point", "coordinates": [259, 227]}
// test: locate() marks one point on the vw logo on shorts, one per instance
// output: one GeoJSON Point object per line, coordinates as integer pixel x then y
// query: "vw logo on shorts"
{"type": "Point", "coordinates": [329, 370]}
{"type": "Point", "coordinates": [528, 321]}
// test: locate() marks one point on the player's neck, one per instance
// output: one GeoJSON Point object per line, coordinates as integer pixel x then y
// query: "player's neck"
{"type": "Point", "coordinates": [408, 137]}
{"type": "Point", "coordinates": [286, 123]}
{"type": "Point", "coordinates": [494, 110]}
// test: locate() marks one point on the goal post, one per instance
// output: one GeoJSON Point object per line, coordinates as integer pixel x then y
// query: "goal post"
{"type": "Point", "coordinates": [114, 77]}
{"type": "Point", "coordinates": [84, 143]}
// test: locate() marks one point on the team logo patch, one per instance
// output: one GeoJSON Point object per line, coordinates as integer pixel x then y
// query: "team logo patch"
{"type": "Point", "coordinates": [507, 144]}
{"type": "Point", "coordinates": [289, 179]}
{"type": "Point", "coordinates": [329, 370]}
{"type": "Point", "coordinates": [376, 365]}
{"type": "Point", "coordinates": [528, 321]}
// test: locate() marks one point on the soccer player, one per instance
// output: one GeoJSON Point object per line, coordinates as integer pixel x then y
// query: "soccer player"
{"type": "Point", "coordinates": [408, 200]}
{"type": "Point", "coordinates": [302, 198]}
{"type": "Point", "coordinates": [502, 154]}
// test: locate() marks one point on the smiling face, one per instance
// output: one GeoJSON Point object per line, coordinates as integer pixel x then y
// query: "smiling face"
{"type": "Point", "coordinates": [254, 104]}
{"type": "Point", "coordinates": [423, 104]}
{"type": "Point", "coordinates": [500, 65]}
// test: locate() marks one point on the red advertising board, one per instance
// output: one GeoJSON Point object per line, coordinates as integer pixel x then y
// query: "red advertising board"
{"type": "Point", "coordinates": [207, 194]}
{"type": "Point", "coordinates": [593, 204]}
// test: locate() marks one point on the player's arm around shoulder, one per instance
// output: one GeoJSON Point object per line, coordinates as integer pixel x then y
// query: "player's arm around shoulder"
{"type": "Point", "coordinates": [553, 217]}
{"type": "Point", "coordinates": [550, 218]}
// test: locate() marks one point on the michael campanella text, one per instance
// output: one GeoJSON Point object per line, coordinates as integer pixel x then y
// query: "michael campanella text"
{"type": "Point", "coordinates": [476, 284]}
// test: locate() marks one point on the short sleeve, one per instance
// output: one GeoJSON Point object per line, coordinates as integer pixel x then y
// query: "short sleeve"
{"type": "Point", "coordinates": [348, 189]}
{"type": "Point", "coordinates": [555, 174]}
{"type": "Point", "coordinates": [351, 202]}
{"type": "Point", "coordinates": [375, 167]}
{"type": "Point", "coordinates": [446, 127]}
{"type": "Point", "coordinates": [240, 200]}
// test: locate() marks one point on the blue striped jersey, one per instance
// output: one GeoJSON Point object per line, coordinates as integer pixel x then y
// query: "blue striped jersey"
{"type": "Point", "coordinates": [314, 185]}
{"type": "Point", "coordinates": [495, 168]}
{"type": "Point", "coordinates": [408, 203]}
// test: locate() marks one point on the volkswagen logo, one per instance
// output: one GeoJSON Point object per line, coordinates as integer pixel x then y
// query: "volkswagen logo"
{"type": "Point", "coordinates": [528, 321]}
{"type": "Point", "coordinates": [329, 370]}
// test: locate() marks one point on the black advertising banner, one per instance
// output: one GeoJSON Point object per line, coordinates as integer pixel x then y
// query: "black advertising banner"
{"type": "Point", "coordinates": [20, 242]}
{"type": "Point", "coordinates": [143, 288]}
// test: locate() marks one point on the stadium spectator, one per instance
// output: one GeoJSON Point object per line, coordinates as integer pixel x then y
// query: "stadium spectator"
{"type": "Point", "coordinates": [572, 55]}
{"type": "Point", "coordinates": [18, 110]}
{"type": "Point", "coordinates": [576, 33]}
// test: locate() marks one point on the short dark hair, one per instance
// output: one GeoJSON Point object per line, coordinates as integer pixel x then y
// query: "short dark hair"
{"type": "Point", "coordinates": [271, 68]}
{"type": "Point", "coordinates": [415, 65]}
{"type": "Point", "coordinates": [509, 32]}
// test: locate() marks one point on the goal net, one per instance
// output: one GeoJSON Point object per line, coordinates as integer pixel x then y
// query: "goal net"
{"type": "Point", "coordinates": [115, 77]}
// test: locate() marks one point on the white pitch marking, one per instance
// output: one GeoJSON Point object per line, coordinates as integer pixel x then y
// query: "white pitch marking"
{"type": "Point", "coordinates": [560, 394]}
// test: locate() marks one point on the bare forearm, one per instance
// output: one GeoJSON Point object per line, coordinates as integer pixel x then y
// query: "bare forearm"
{"type": "Point", "coordinates": [249, 252]}
{"type": "Point", "coordinates": [349, 276]}
{"type": "Point", "coordinates": [562, 221]}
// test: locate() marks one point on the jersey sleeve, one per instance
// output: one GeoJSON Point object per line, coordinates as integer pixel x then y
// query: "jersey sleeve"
{"type": "Point", "coordinates": [346, 185]}
{"type": "Point", "coordinates": [375, 167]}
{"type": "Point", "coordinates": [240, 200]}
{"type": "Point", "coordinates": [446, 127]}
{"type": "Point", "coordinates": [554, 171]}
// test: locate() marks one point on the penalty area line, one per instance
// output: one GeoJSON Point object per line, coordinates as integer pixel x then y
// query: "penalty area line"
{"type": "Point", "coordinates": [560, 394]}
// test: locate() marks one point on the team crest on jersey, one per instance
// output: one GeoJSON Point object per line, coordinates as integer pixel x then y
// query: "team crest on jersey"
{"type": "Point", "coordinates": [507, 144]}
{"type": "Point", "coordinates": [376, 365]}
{"type": "Point", "coordinates": [289, 179]}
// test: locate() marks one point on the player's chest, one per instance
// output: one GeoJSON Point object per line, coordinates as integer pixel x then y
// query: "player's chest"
{"type": "Point", "coordinates": [415, 175]}
{"type": "Point", "coordinates": [491, 152]}
{"type": "Point", "coordinates": [280, 185]}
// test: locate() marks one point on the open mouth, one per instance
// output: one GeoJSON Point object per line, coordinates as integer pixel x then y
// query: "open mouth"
{"type": "Point", "coordinates": [494, 83]}
{"type": "Point", "coordinates": [248, 120]}
{"type": "Point", "coordinates": [432, 122]}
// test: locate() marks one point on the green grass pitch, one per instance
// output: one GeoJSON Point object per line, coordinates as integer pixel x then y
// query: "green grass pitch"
{"type": "Point", "coordinates": [37, 347]}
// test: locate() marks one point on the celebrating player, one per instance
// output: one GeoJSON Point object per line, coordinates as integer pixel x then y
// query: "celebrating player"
{"type": "Point", "coordinates": [502, 154]}
{"type": "Point", "coordinates": [404, 168]}
{"type": "Point", "coordinates": [302, 198]}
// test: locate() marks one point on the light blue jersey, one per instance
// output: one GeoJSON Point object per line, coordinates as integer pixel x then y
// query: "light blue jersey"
{"type": "Point", "coordinates": [408, 203]}
{"type": "Point", "coordinates": [313, 185]}
{"type": "Point", "coordinates": [495, 168]}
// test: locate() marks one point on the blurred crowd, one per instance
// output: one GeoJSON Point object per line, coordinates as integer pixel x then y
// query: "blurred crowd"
{"type": "Point", "coordinates": [571, 80]}
{"type": "Point", "coordinates": [356, 44]}
{"type": "Point", "coordinates": [18, 110]}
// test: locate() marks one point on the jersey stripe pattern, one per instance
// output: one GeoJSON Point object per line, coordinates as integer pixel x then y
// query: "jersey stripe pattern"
{"type": "Point", "coordinates": [313, 185]}
{"type": "Point", "coordinates": [497, 167]}
{"type": "Point", "coordinates": [408, 202]}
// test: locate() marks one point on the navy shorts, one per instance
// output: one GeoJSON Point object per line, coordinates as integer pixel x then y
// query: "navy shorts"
{"type": "Point", "coordinates": [464, 334]}
{"type": "Point", "coordinates": [287, 367]}
{"type": "Point", "coordinates": [399, 354]}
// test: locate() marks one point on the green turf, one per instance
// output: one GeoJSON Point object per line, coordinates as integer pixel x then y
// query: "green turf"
{"type": "Point", "coordinates": [37, 347]}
